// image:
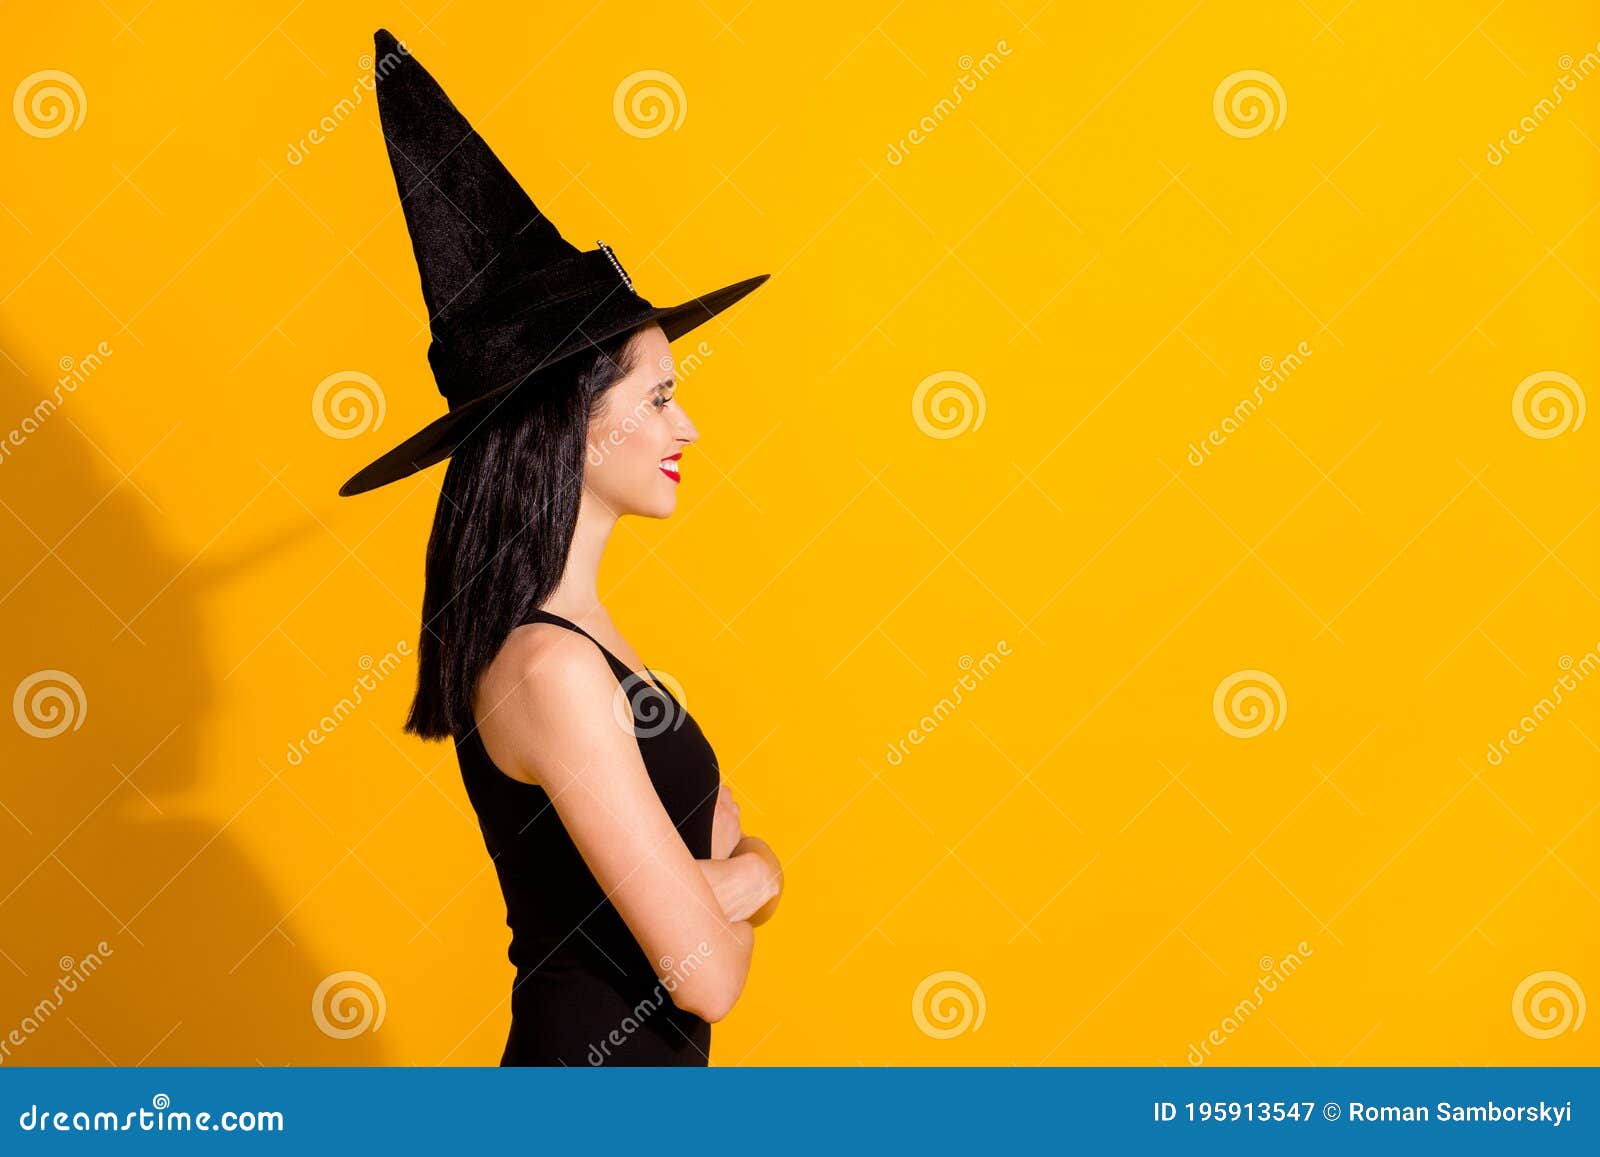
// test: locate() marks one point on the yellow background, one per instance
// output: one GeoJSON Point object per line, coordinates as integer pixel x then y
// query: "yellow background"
{"type": "Point", "coordinates": [1081, 838]}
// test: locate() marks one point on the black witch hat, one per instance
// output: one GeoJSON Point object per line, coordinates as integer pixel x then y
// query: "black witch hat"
{"type": "Point", "coordinates": [508, 297]}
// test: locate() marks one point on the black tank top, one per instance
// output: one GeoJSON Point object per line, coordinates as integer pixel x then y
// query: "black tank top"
{"type": "Point", "coordinates": [585, 992]}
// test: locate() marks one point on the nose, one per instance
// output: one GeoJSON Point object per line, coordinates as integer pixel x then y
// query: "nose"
{"type": "Point", "coordinates": [684, 430]}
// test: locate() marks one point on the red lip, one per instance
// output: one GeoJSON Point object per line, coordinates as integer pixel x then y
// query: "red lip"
{"type": "Point", "coordinates": [671, 458]}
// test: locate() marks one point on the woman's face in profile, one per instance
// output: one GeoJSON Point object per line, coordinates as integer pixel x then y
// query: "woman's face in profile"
{"type": "Point", "coordinates": [637, 433]}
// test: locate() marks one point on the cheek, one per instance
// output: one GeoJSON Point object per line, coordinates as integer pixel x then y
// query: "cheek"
{"type": "Point", "coordinates": [638, 447]}
{"type": "Point", "coordinates": [623, 448]}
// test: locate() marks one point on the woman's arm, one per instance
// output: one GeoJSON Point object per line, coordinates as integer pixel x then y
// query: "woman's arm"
{"type": "Point", "coordinates": [544, 713]}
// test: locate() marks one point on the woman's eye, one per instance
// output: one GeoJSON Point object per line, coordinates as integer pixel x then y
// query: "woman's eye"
{"type": "Point", "coordinates": [662, 400]}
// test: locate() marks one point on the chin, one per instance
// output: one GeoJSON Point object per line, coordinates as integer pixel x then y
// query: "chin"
{"type": "Point", "coordinates": [665, 501]}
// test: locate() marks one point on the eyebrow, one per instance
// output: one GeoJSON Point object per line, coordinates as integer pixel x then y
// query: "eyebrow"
{"type": "Point", "coordinates": [666, 383]}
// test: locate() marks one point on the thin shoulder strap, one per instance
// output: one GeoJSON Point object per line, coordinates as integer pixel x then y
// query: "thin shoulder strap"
{"type": "Point", "coordinates": [552, 617]}
{"type": "Point", "coordinates": [557, 620]}
{"type": "Point", "coordinates": [649, 676]}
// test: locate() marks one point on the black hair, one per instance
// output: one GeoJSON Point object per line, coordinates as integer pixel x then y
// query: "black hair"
{"type": "Point", "coordinates": [502, 530]}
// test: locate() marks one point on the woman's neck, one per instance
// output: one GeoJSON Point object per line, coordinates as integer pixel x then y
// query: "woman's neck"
{"type": "Point", "coordinates": [578, 592]}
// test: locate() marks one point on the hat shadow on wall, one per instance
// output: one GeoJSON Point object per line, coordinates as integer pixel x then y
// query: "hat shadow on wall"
{"type": "Point", "coordinates": [134, 928]}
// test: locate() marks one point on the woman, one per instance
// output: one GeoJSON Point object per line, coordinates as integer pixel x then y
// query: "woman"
{"type": "Point", "coordinates": [631, 892]}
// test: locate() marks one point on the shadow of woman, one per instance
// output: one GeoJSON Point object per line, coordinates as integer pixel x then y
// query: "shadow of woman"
{"type": "Point", "coordinates": [134, 930]}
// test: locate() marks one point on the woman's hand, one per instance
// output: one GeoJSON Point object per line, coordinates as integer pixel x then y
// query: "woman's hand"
{"type": "Point", "coordinates": [747, 883]}
{"type": "Point", "coordinates": [771, 874]}
{"type": "Point", "coordinates": [725, 831]}
{"type": "Point", "coordinates": [749, 878]}
{"type": "Point", "coordinates": [742, 884]}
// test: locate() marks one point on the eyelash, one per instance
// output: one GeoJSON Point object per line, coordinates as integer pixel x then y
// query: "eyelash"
{"type": "Point", "coordinates": [661, 401]}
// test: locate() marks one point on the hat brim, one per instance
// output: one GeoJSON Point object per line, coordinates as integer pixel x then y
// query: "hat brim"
{"type": "Point", "coordinates": [439, 439]}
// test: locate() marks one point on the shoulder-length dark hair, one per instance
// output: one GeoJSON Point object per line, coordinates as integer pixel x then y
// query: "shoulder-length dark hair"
{"type": "Point", "coordinates": [502, 530]}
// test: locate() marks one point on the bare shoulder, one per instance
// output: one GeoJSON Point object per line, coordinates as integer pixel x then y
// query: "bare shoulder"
{"type": "Point", "coordinates": [546, 688]}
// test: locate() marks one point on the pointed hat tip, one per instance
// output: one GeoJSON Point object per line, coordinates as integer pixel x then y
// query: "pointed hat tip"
{"type": "Point", "coordinates": [384, 40]}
